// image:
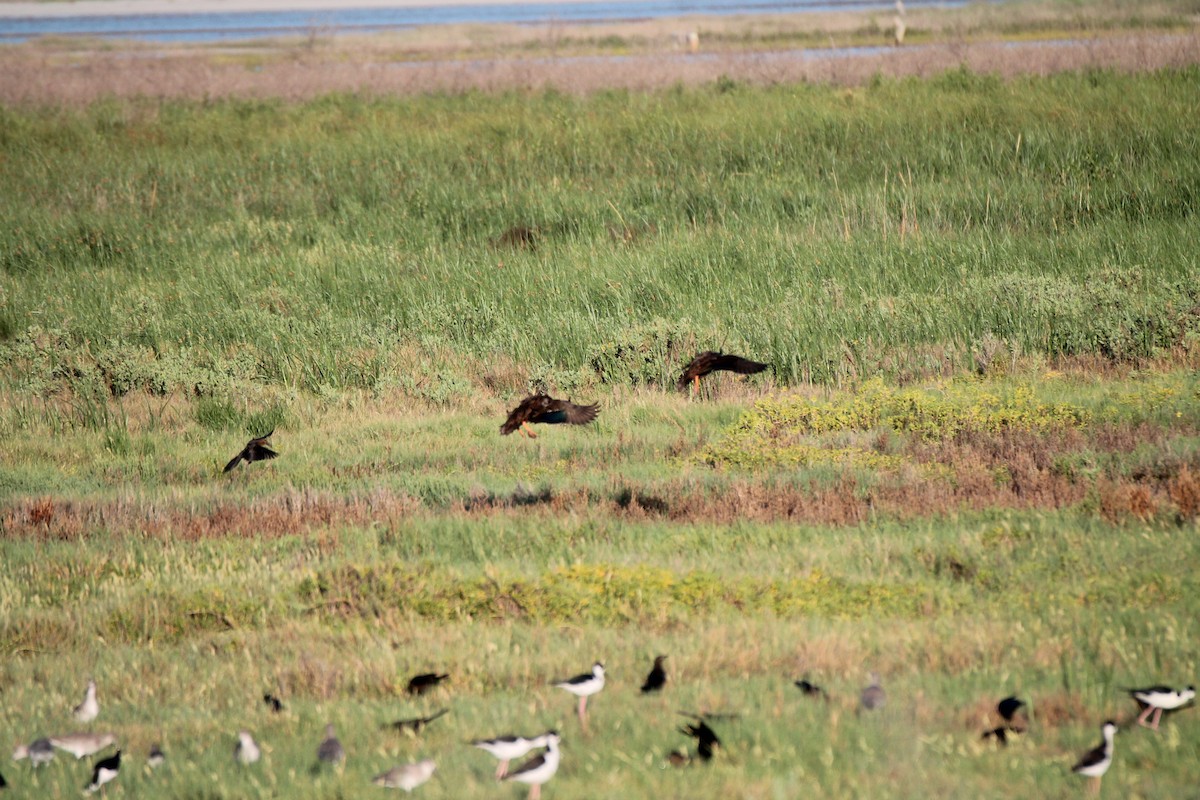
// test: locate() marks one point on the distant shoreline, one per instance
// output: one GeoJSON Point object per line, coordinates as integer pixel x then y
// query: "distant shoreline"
{"type": "Point", "coordinates": [113, 8]}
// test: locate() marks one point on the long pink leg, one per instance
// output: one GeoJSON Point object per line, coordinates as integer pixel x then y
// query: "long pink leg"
{"type": "Point", "coordinates": [1142, 717]}
{"type": "Point", "coordinates": [535, 791]}
{"type": "Point", "coordinates": [1157, 717]}
{"type": "Point", "coordinates": [583, 713]}
{"type": "Point", "coordinates": [502, 770]}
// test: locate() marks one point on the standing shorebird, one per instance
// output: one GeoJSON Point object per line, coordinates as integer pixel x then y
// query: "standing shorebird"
{"type": "Point", "coordinates": [657, 677]}
{"type": "Point", "coordinates": [538, 769]}
{"type": "Point", "coordinates": [507, 748]}
{"type": "Point", "coordinates": [873, 696]}
{"type": "Point", "coordinates": [246, 750]}
{"type": "Point", "coordinates": [89, 709]}
{"type": "Point", "coordinates": [711, 361]}
{"type": "Point", "coordinates": [407, 777]}
{"type": "Point", "coordinates": [1095, 762]}
{"type": "Point", "coordinates": [255, 450]}
{"type": "Point", "coordinates": [584, 686]}
{"type": "Point", "coordinates": [105, 770]}
{"type": "Point", "coordinates": [420, 684]}
{"type": "Point", "coordinates": [157, 757]}
{"type": "Point", "coordinates": [82, 745]}
{"type": "Point", "coordinates": [543, 408]}
{"type": "Point", "coordinates": [1157, 699]}
{"type": "Point", "coordinates": [330, 750]}
{"type": "Point", "coordinates": [39, 752]}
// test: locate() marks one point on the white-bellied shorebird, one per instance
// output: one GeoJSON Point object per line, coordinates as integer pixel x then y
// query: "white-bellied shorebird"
{"type": "Point", "coordinates": [1157, 699]}
{"type": "Point", "coordinates": [89, 709]}
{"type": "Point", "coordinates": [1095, 762]}
{"type": "Point", "coordinates": [246, 750]}
{"type": "Point", "coordinates": [538, 769]}
{"type": "Point", "coordinates": [414, 725]}
{"type": "Point", "coordinates": [407, 777]}
{"type": "Point", "coordinates": [509, 747]}
{"type": "Point", "coordinates": [872, 697]}
{"type": "Point", "coordinates": [584, 686]}
{"type": "Point", "coordinates": [82, 745]}
{"type": "Point", "coordinates": [39, 752]}
{"type": "Point", "coordinates": [420, 684]}
{"type": "Point", "coordinates": [330, 750]}
{"type": "Point", "coordinates": [157, 757]}
{"type": "Point", "coordinates": [105, 770]}
{"type": "Point", "coordinates": [657, 678]}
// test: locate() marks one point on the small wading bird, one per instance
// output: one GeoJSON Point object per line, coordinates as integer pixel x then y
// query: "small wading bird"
{"type": "Point", "coordinates": [415, 724]}
{"type": "Point", "coordinates": [545, 409]}
{"type": "Point", "coordinates": [1007, 708]}
{"type": "Point", "coordinates": [255, 450]}
{"type": "Point", "coordinates": [657, 677]}
{"type": "Point", "coordinates": [246, 750]}
{"type": "Point", "coordinates": [710, 361]}
{"type": "Point", "coordinates": [105, 770]}
{"type": "Point", "coordinates": [706, 738]}
{"type": "Point", "coordinates": [1157, 699]}
{"type": "Point", "coordinates": [506, 748]}
{"type": "Point", "coordinates": [420, 684]}
{"type": "Point", "coordinates": [82, 745]}
{"type": "Point", "coordinates": [407, 777]}
{"type": "Point", "coordinates": [89, 709]}
{"type": "Point", "coordinates": [1095, 762]}
{"type": "Point", "coordinates": [538, 769]}
{"type": "Point", "coordinates": [330, 750]}
{"type": "Point", "coordinates": [584, 686]}
{"type": "Point", "coordinates": [38, 752]}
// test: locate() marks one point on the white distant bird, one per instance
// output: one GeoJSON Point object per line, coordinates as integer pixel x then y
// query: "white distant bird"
{"type": "Point", "coordinates": [1157, 699]}
{"type": "Point", "coordinates": [407, 777]}
{"type": "Point", "coordinates": [507, 748]}
{"type": "Point", "coordinates": [584, 686]}
{"type": "Point", "coordinates": [157, 757]}
{"type": "Point", "coordinates": [106, 769]}
{"type": "Point", "coordinates": [538, 769]}
{"type": "Point", "coordinates": [1095, 762]}
{"type": "Point", "coordinates": [330, 751]}
{"type": "Point", "coordinates": [246, 750]}
{"type": "Point", "coordinates": [39, 752]}
{"type": "Point", "coordinates": [82, 745]}
{"type": "Point", "coordinates": [89, 709]}
{"type": "Point", "coordinates": [873, 696]}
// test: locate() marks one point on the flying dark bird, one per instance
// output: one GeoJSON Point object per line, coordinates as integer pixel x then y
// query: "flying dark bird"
{"type": "Point", "coordinates": [1095, 762]}
{"type": "Point", "coordinates": [710, 361]}
{"type": "Point", "coordinates": [420, 684]}
{"type": "Point", "coordinates": [273, 703]}
{"type": "Point", "coordinates": [657, 677]}
{"type": "Point", "coordinates": [1157, 699]}
{"type": "Point", "coordinates": [255, 450]}
{"type": "Point", "coordinates": [1008, 708]}
{"type": "Point", "coordinates": [105, 770]}
{"type": "Point", "coordinates": [546, 409]}
{"type": "Point", "coordinates": [809, 689]}
{"type": "Point", "coordinates": [415, 724]}
{"type": "Point", "coordinates": [706, 738]}
{"type": "Point", "coordinates": [1000, 734]}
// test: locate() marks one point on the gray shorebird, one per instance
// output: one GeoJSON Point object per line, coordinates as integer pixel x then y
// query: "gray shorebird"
{"type": "Point", "coordinates": [538, 769]}
{"type": "Point", "coordinates": [542, 408]}
{"type": "Point", "coordinates": [39, 752]}
{"type": "Point", "coordinates": [872, 697]}
{"type": "Point", "coordinates": [255, 450]}
{"type": "Point", "coordinates": [105, 770]}
{"type": "Point", "coordinates": [246, 750]}
{"type": "Point", "coordinates": [407, 777]}
{"type": "Point", "coordinates": [89, 709]}
{"type": "Point", "coordinates": [1095, 762]}
{"type": "Point", "coordinates": [509, 747]}
{"type": "Point", "coordinates": [584, 686]}
{"type": "Point", "coordinates": [1154, 700]}
{"type": "Point", "coordinates": [82, 745]}
{"type": "Point", "coordinates": [330, 750]}
{"type": "Point", "coordinates": [657, 678]}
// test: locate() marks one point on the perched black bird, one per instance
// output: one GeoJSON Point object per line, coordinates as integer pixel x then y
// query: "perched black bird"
{"type": "Point", "coordinates": [255, 450]}
{"type": "Point", "coordinates": [710, 361]}
{"type": "Point", "coordinates": [546, 409]}
{"type": "Point", "coordinates": [105, 770]}
{"type": "Point", "coordinates": [273, 703]}
{"type": "Point", "coordinates": [657, 677]}
{"type": "Point", "coordinates": [420, 684]}
{"type": "Point", "coordinates": [809, 689]}
{"type": "Point", "coordinates": [706, 738]}
{"type": "Point", "coordinates": [416, 724]}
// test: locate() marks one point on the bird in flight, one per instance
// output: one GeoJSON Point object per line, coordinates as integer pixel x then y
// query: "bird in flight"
{"type": "Point", "coordinates": [415, 724]}
{"type": "Point", "coordinates": [711, 361]}
{"type": "Point", "coordinates": [255, 450]}
{"type": "Point", "coordinates": [706, 738]}
{"type": "Point", "coordinates": [546, 409]}
{"type": "Point", "coordinates": [425, 682]}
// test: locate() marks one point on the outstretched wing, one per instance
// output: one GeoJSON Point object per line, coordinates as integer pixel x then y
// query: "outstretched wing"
{"type": "Point", "coordinates": [255, 451]}
{"type": "Point", "coordinates": [577, 414]}
{"type": "Point", "coordinates": [234, 462]}
{"type": "Point", "coordinates": [742, 366]}
{"type": "Point", "coordinates": [698, 367]}
{"type": "Point", "coordinates": [524, 412]}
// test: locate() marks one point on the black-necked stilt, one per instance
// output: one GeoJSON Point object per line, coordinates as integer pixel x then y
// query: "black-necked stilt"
{"type": "Point", "coordinates": [407, 777]}
{"type": "Point", "coordinates": [420, 684]}
{"type": "Point", "coordinates": [255, 450]}
{"type": "Point", "coordinates": [706, 738]}
{"type": "Point", "coordinates": [415, 724]}
{"type": "Point", "coordinates": [809, 689]}
{"type": "Point", "coordinates": [873, 696]}
{"type": "Point", "coordinates": [710, 361]}
{"type": "Point", "coordinates": [1095, 762]}
{"type": "Point", "coordinates": [89, 709]}
{"type": "Point", "coordinates": [330, 750]}
{"type": "Point", "coordinates": [538, 769]}
{"type": "Point", "coordinates": [507, 748]}
{"type": "Point", "coordinates": [543, 408]}
{"type": "Point", "coordinates": [657, 677]}
{"type": "Point", "coordinates": [105, 770]}
{"type": "Point", "coordinates": [82, 745]}
{"type": "Point", "coordinates": [39, 752]}
{"type": "Point", "coordinates": [246, 750]}
{"type": "Point", "coordinates": [272, 702]}
{"type": "Point", "coordinates": [1157, 699]}
{"type": "Point", "coordinates": [584, 686]}
{"type": "Point", "coordinates": [157, 757]}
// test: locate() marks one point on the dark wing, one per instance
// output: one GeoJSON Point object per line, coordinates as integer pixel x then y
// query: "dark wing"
{"type": "Point", "coordinates": [257, 451]}
{"type": "Point", "coordinates": [524, 412]}
{"type": "Point", "coordinates": [698, 367]}
{"type": "Point", "coordinates": [1090, 758]}
{"type": "Point", "coordinates": [572, 414]}
{"type": "Point", "coordinates": [1009, 706]}
{"type": "Point", "coordinates": [1000, 734]}
{"type": "Point", "coordinates": [742, 366]}
{"type": "Point", "coordinates": [236, 459]}
{"type": "Point", "coordinates": [528, 766]}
